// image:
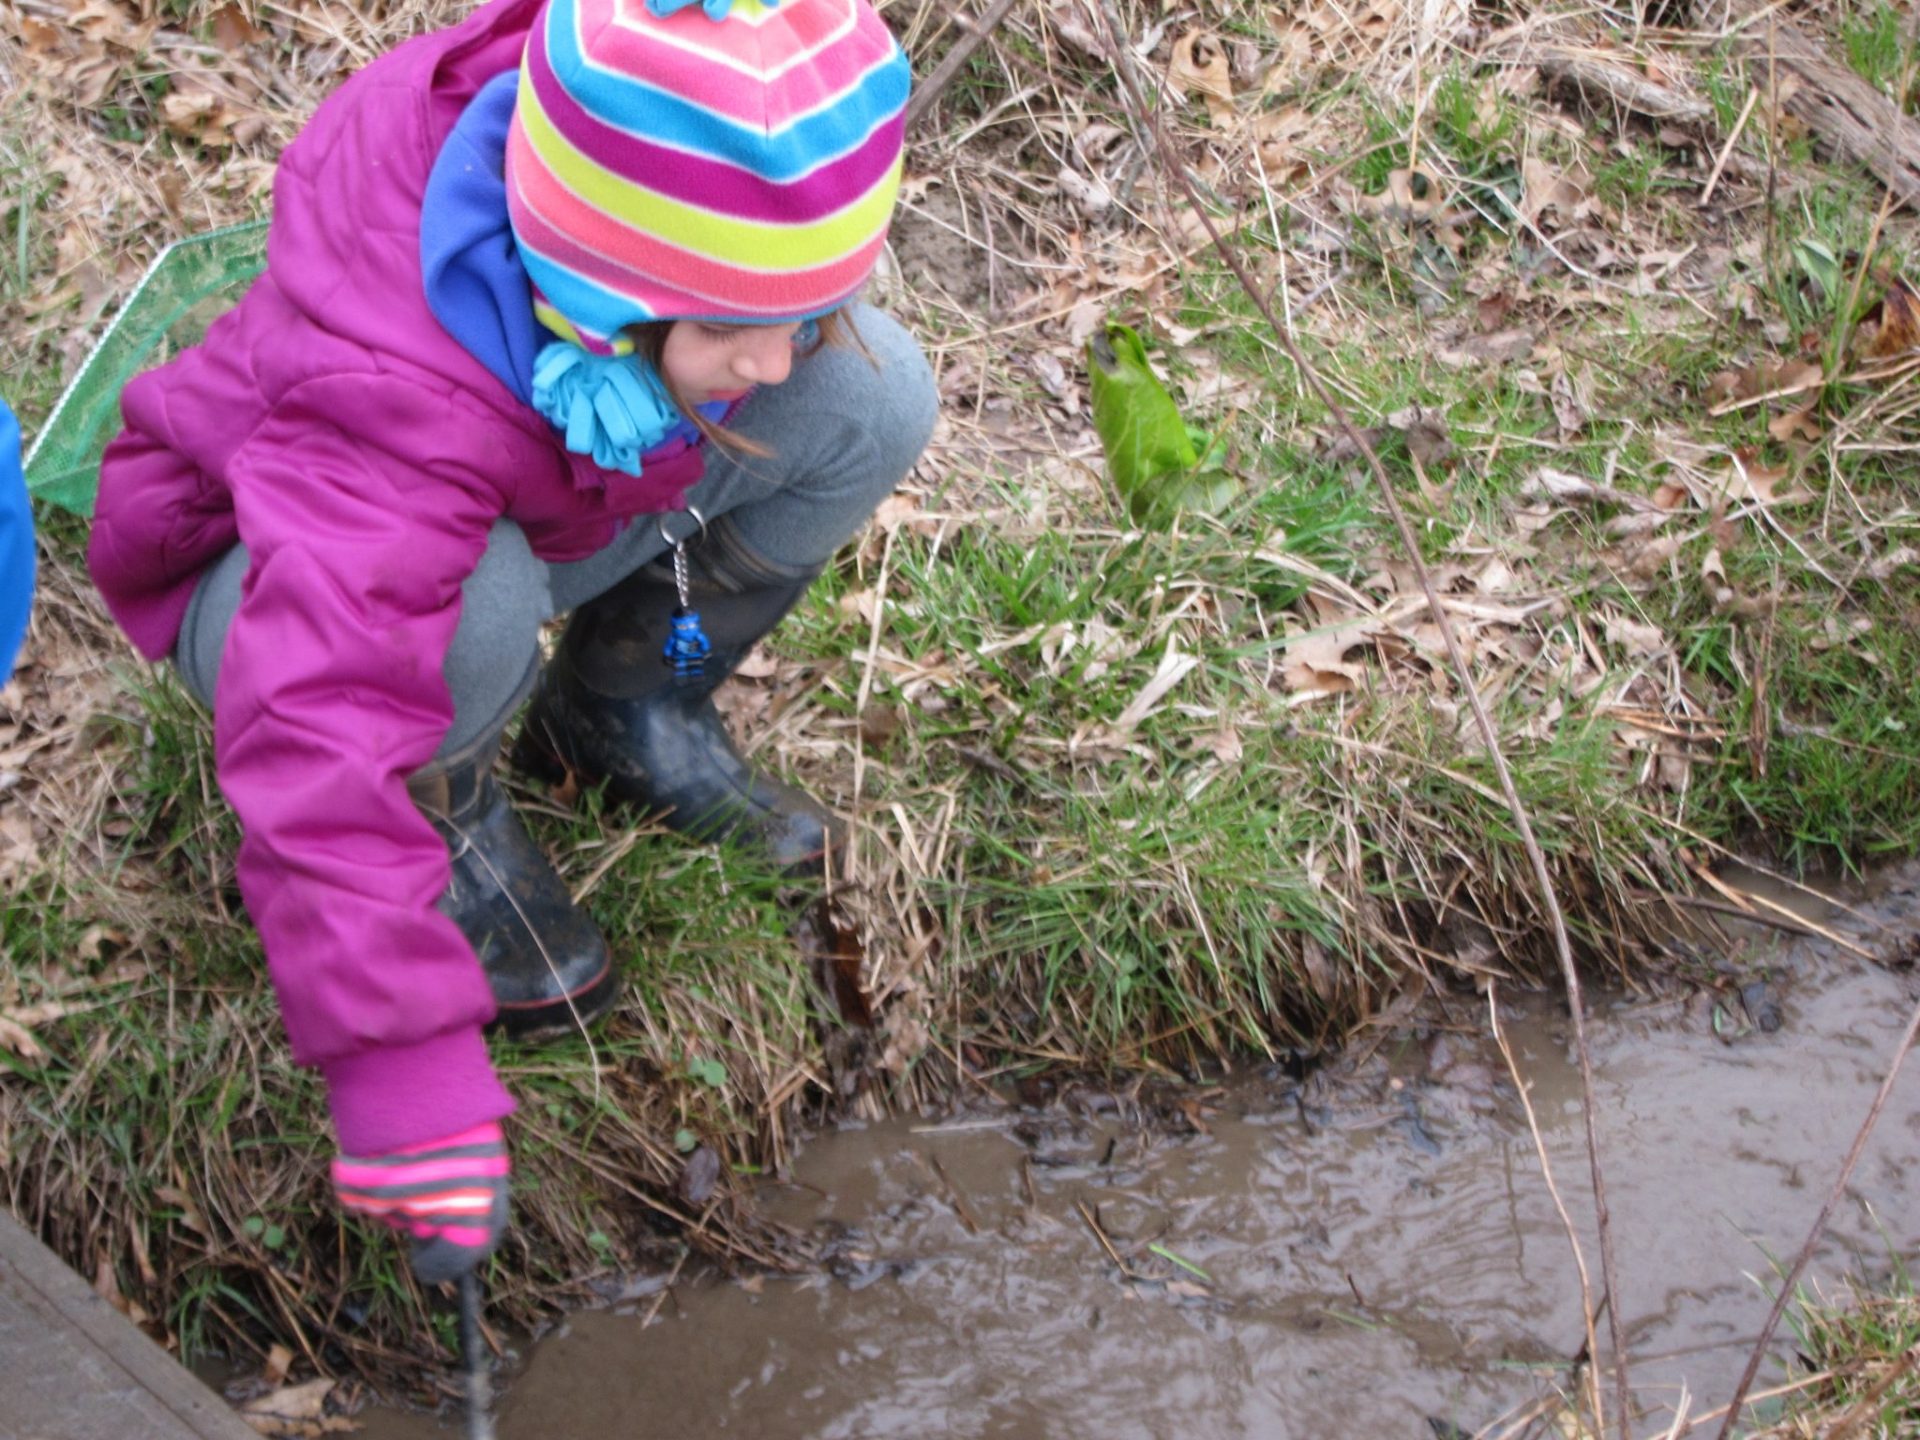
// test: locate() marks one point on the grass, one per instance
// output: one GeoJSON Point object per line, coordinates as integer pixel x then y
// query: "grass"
{"type": "Point", "coordinates": [1880, 47]}
{"type": "Point", "coordinates": [1119, 806]}
{"type": "Point", "coordinates": [1865, 1347]}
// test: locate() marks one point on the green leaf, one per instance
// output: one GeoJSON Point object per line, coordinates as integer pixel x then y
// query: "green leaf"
{"type": "Point", "coordinates": [1152, 453]}
{"type": "Point", "coordinates": [708, 1072]}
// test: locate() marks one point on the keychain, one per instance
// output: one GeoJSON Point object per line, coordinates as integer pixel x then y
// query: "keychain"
{"type": "Point", "coordinates": [687, 644]}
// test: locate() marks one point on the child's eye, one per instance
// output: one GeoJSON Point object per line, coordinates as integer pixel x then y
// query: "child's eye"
{"type": "Point", "coordinates": [719, 332]}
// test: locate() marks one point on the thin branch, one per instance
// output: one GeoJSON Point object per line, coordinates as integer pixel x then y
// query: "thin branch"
{"type": "Point", "coordinates": [942, 75]}
{"type": "Point", "coordinates": [1124, 64]}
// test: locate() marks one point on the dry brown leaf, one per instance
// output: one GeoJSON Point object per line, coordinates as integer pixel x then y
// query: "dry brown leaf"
{"type": "Point", "coordinates": [759, 664]}
{"type": "Point", "coordinates": [1638, 639]}
{"type": "Point", "coordinates": [1316, 662]}
{"type": "Point", "coordinates": [17, 1038]}
{"type": "Point", "coordinates": [1498, 348]}
{"type": "Point", "coordinates": [896, 510]}
{"type": "Point", "coordinates": [1412, 194]}
{"type": "Point", "coordinates": [1547, 188]}
{"type": "Point", "coordinates": [233, 31]}
{"type": "Point", "coordinates": [1225, 744]}
{"type": "Point", "coordinates": [1796, 425]}
{"type": "Point", "coordinates": [296, 1412]}
{"type": "Point", "coordinates": [1278, 135]}
{"type": "Point", "coordinates": [1748, 480]}
{"type": "Point", "coordinates": [1763, 377]}
{"type": "Point", "coordinates": [1893, 326]}
{"type": "Point", "coordinates": [1569, 404]}
{"type": "Point", "coordinates": [1200, 64]}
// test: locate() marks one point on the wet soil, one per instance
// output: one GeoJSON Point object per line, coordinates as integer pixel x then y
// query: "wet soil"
{"type": "Point", "coordinates": [1370, 1250]}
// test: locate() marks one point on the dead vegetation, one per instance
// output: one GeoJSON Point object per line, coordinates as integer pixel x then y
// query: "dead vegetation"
{"type": "Point", "coordinates": [1638, 349]}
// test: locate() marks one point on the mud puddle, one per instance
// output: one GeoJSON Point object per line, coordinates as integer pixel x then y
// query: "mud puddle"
{"type": "Point", "coordinates": [1369, 1252]}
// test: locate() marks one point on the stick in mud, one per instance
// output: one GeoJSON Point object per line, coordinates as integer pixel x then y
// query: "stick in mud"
{"type": "Point", "coordinates": [473, 1361]}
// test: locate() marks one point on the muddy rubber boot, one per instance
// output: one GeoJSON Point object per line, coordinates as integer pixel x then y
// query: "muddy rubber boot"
{"type": "Point", "coordinates": [610, 706]}
{"type": "Point", "coordinates": [547, 962]}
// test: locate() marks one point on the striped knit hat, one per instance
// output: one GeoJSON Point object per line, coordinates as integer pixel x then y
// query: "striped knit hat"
{"type": "Point", "coordinates": [738, 165]}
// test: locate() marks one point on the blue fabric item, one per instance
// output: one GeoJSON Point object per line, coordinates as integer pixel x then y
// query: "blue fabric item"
{"type": "Point", "coordinates": [715, 9]}
{"type": "Point", "coordinates": [612, 407]}
{"type": "Point", "coordinates": [16, 545]}
{"type": "Point", "coordinates": [476, 286]}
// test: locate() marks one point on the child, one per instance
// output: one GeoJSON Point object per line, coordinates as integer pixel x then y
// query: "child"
{"type": "Point", "coordinates": [557, 317]}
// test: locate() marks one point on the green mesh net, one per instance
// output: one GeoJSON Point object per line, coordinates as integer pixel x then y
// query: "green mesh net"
{"type": "Point", "coordinates": [189, 285]}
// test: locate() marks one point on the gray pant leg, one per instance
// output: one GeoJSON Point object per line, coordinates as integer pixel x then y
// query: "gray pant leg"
{"type": "Point", "coordinates": [844, 432]}
{"type": "Point", "coordinates": [489, 666]}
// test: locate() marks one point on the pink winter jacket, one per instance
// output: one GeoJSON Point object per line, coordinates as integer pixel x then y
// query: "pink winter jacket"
{"type": "Point", "coordinates": [361, 453]}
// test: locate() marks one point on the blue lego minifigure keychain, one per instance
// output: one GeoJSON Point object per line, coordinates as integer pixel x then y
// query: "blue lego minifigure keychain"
{"type": "Point", "coordinates": [687, 644]}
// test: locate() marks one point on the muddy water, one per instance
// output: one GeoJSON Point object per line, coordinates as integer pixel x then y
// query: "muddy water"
{"type": "Point", "coordinates": [1372, 1252]}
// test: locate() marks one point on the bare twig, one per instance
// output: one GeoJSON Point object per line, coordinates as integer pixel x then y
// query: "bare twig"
{"type": "Point", "coordinates": [1553, 1189]}
{"type": "Point", "coordinates": [1726, 151]}
{"type": "Point", "coordinates": [1176, 170]}
{"type": "Point", "coordinates": [1792, 1277]}
{"type": "Point", "coordinates": [930, 89]}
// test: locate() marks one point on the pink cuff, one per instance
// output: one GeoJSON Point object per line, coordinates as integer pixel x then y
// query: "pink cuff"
{"type": "Point", "coordinates": [399, 1095]}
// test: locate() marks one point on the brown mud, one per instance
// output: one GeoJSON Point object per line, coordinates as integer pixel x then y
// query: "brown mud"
{"type": "Point", "coordinates": [1367, 1250]}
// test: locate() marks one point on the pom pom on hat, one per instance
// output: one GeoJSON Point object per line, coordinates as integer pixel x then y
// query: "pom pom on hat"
{"type": "Point", "coordinates": [739, 164]}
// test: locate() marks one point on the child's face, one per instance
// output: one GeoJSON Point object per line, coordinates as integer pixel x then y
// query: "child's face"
{"type": "Point", "coordinates": [722, 362]}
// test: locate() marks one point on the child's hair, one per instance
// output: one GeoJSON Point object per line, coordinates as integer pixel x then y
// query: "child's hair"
{"type": "Point", "coordinates": [650, 339]}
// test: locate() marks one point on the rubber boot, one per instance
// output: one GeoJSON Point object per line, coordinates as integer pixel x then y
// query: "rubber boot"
{"type": "Point", "coordinates": [548, 964]}
{"type": "Point", "coordinates": [611, 708]}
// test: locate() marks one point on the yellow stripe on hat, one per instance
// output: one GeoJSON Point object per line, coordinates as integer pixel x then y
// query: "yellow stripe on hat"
{"type": "Point", "coordinates": [745, 243]}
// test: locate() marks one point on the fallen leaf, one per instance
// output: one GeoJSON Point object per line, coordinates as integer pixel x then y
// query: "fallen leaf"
{"type": "Point", "coordinates": [233, 31]}
{"type": "Point", "coordinates": [1200, 64]}
{"type": "Point", "coordinates": [698, 1177]}
{"type": "Point", "coordinates": [1638, 639]}
{"type": "Point", "coordinates": [1569, 405]}
{"type": "Point", "coordinates": [1412, 194]}
{"type": "Point", "coordinates": [1796, 425]}
{"type": "Point", "coordinates": [1316, 662]}
{"type": "Point", "coordinates": [1545, 188]}
{"type": "Point", "coordinates": [1225, 744]}
{"type": "Point", "coordinates": [1892, 327]}
{"type": "Point", "coordinates": [296, 1412]}
{"type": "Point", "coordinates": [758, 665]}
{"type": "Point", "coordinates": [1497, 348]}
{"type": "Point", "coordinates": [1767, 378]}
{"type": "Point", "coordinates": [19, 1039]}
{"type": "Point", "coordinates": [1748, 480]}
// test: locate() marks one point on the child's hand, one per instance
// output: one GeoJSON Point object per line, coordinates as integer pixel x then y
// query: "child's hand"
{"type": "Point", "coordinates": [450, 1195]}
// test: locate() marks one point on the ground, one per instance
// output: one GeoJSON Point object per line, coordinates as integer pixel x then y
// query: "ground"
{"type": "Point", "coordinates": [1635, 346]}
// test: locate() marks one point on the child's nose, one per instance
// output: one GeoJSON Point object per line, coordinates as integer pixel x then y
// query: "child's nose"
{"type": "Point", "coordinates": [766, 357]}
